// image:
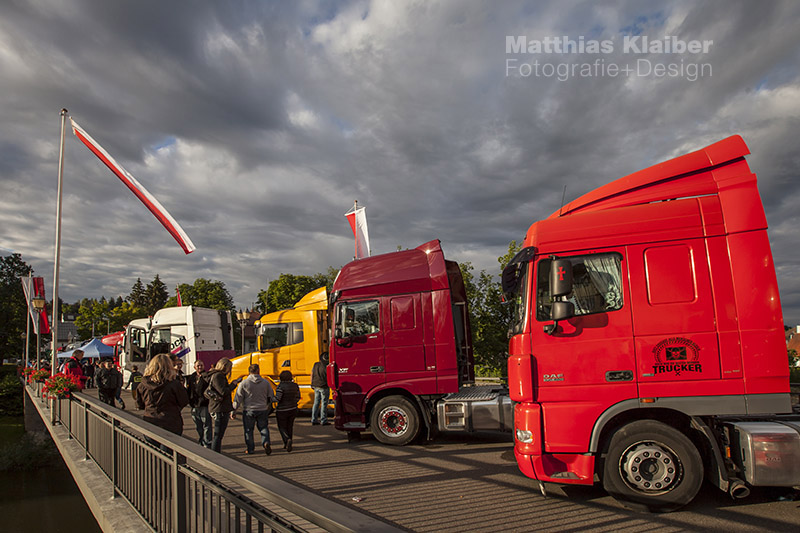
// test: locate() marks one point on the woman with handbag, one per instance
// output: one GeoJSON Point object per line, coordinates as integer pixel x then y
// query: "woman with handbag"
{"type": "Point", "coordinates": [161, 395]}
{"type": "Point", "coordinates": [219, 399]}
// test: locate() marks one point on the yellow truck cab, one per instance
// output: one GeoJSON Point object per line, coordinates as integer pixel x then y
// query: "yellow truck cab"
{"type": "Point", "coordinates": [290, 339]}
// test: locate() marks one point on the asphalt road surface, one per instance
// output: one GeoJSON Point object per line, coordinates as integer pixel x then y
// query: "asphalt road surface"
{"type": "Point", "coordinates": [463, 483]}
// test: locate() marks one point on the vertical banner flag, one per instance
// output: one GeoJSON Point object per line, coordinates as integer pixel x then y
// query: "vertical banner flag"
{"type": "Point", "coordinates": [35, 287]}
{"type": "Point", "coordinates": [136, 188]}
{"type": "Point", "coordinates": [358, 222]}
{"type": "Point", "coordinates": [178, 292]}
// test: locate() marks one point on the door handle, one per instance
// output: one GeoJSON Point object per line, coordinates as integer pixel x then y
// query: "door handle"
{"type": "Point", "coordinates": [376, 369]}
{"type": "Point", "coordinates": [619, 375]}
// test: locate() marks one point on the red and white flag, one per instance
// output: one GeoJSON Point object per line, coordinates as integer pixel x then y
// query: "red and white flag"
{"type": "Point", "coordinates": [136, 188]}
{"type": "Point", "coordinates": [358, 222]}
{"type": "Point", "coordinates": [178, 292]}
{"type": "Point", "coordinates": [35, 287]}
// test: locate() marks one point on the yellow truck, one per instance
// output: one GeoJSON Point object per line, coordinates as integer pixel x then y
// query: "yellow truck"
{"type": "Point", "coordinates": [291, 339]}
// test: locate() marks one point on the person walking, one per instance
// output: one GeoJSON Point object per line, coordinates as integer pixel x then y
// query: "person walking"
{"type": "Point", "coordinates": [196, 384]}
{"type": "Point", "coordinates": [319, 382]}
{"type": "Point", "coordinates": [73, 368]}
{"type": "Point", "coordinates": [108, 381]}
{"type": "Point", "coordinates": [255, 397]}
{"type": "Point", "coordinates": [133, 383]}
{"type": "Point", "coordinates": [161, 395]}
{"type": "Point", "coordinates": [220, 406]}
{"type": "Point", "coordinates": [287, 394]}
{"type": "Point", "coordinates": [120, 381]}
{"type": "Point", "coordinates": [88, 371]}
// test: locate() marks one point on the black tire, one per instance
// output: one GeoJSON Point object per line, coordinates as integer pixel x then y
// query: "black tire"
{"type": "Point", "coordinates": [651, 466]}
{"type": "Point", "coordinates": [394, 420]}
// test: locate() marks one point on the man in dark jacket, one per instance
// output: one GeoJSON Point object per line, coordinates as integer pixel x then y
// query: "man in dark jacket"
{"type": "Point", "coordinates": [133, 382]}
{"type": "Point", "coordinates": [319, 382]}
{"type": "Point", "coordinates": [108, 381]}
{"type": "Point", "coordinates": [196, 383]}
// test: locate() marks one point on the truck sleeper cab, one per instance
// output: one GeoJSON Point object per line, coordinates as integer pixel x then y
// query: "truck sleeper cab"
{"type": "Point", "coordinates": [648, 321]}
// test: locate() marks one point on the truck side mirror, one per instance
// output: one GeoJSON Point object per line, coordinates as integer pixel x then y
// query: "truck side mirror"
{"type": "Point", "coordinates": [560, 277]}
{"type": "Point", "coordinates": [562, 311]}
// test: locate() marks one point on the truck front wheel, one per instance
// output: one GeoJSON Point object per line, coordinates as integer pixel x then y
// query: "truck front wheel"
{"type": "Point", "coordinates": [651, 466]}
{"type": "Point", "coordinates": [394, 420]}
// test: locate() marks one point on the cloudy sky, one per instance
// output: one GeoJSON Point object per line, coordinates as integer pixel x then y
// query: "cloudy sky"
{"type": "Point", "coordinates": [257, 124]}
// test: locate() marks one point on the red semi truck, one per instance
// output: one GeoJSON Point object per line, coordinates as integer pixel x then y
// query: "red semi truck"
{"type": "Point", "coordinates": [648, 347]}
{"type": "Point", "coordinates": [401, 354]}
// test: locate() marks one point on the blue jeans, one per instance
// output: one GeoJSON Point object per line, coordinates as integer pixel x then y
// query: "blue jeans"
{"type": "Point", "coordinates": [204, 425]}
{"type": "Point", "coordinates": [220, 425]}
{"type": "Point", "coordinates": [250, 419]}
{"type": "Point", "coordinates": [319, 411]}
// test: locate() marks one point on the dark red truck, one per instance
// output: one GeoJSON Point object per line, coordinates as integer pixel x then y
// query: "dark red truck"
{"type": "Point", "coordinates": [401, 350]}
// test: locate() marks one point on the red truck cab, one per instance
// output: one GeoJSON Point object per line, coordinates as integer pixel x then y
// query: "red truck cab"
{"type": "Point", "coordinates": [400, 341]}
{"type": "Point", "coordinates": [670, 319]}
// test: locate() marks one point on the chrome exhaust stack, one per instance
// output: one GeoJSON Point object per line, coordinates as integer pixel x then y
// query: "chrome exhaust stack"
{"type": "Point", "coordinates": [738, 490]}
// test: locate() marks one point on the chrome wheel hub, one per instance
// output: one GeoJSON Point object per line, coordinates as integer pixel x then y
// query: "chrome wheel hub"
{"type": "Point", "coordinates": [393, 421]}
{"type": "Point", "coordinates": [650, 467]}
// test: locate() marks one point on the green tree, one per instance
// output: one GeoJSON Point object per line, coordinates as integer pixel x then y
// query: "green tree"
{"type": "Point", "coordinates": [13, 308]}
{"type": "Point", "coordinates": [490, 317]}
{"type": "Point", "coordinates": [285, 291]}
{"type": "Point", "coordinates": [138, 296]}
{"type": "Point", "coordinates": [203, 293]}
{"type": "Point", "coordinates": [156, 295]}
{"type": "Point", "coordinates": [92, 318]}
{"type": "Point", "coordinates": [121, 315]}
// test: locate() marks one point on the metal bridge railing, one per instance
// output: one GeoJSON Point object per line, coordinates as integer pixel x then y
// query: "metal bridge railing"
{"type": "Point", "coordinates": [176, 485]}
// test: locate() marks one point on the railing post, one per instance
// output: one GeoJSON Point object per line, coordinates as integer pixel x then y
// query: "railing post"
{"type": "Point", "coordinates": [68, 425]}
{"type": "Point", "coordinates": [86, 429]}
{"type": "Point", "coordinates": [178, 493]}
{"type": "Point", "coordinates": [114, 480]}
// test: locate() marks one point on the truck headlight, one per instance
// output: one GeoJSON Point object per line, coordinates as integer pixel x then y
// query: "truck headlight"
{"type": "Point", "coordinates": [525, 436]}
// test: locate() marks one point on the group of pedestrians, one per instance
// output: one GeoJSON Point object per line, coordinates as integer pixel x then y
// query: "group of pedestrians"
{"type": "Point", "coordinates": [208, 394]}
{"type": "Point", "coordinates": [162, 391]}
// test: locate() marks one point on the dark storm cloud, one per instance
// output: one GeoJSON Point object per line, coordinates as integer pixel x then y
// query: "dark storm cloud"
{"type": "Point", "coordinates": [257, 124]}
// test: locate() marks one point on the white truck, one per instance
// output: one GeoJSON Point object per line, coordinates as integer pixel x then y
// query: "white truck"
{"type": "Point", "coordinates": [189, 332]}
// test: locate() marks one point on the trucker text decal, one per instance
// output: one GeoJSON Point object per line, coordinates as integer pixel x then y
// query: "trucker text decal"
{"type": "Point", "coordinates": [676, 354]}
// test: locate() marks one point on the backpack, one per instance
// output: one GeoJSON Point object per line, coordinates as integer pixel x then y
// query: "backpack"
{"type": "Point", "coordinates": [105, 380]}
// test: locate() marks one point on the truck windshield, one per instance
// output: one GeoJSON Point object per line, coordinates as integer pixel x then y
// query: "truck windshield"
{"type": "Point", "coordinates": [520, 303]}
{"type": "Point", "coordinates": [274, 336]}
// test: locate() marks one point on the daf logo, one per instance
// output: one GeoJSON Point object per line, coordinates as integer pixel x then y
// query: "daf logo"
{"type": "Point", "coordinates": [554, 377]}
{"type": "Point", "coordinates": [343, 370]}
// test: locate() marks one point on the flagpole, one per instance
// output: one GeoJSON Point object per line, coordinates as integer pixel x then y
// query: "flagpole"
{"type": "Point", "coordinates": [355, 232]}
{"type": "Point", "coordinates": [57, 253]}
{"type": "Point", "coordinates": [28, 322]}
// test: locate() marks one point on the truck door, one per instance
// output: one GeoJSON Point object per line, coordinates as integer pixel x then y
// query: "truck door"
{"type": "Point", "coordinates": [359, 351]}
{"type": "Point", "coordinates": [587, 364]}
{"type": "Point", "coordinates": [405, 349]}
{"type": "Point", "coordinates": [673, 319]}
